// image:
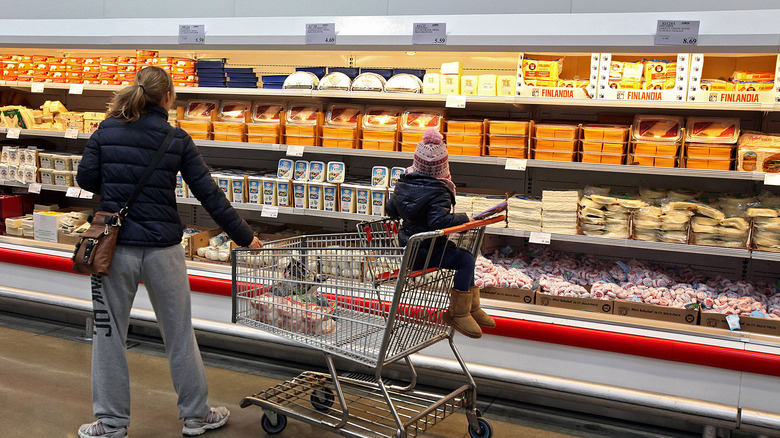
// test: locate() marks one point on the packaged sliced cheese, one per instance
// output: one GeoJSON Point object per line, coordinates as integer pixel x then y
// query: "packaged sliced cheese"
{"type": "Point", "coordinates": [343, 115]}
{"type": "Point", "coordinates": [663, 128]}
{"type": "Point", "coordinates": [200, 109]}
{"type": "Point", "coordinates": [233, 110]}
{"type": "Point", "coordinates": [382, 118]}
{"type": "Point", "coordinates": [420, 119]}
{"type": "Point", "coordinates": [302, 113]}
{"type": "Point", "coordinates": [712, 130]}
{"type": "Point", "coordinates": [269, 113]}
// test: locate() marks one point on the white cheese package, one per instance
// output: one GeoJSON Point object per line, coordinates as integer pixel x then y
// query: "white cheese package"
{"type": "Point", "coordinates": [285, 169]}
{"type": "Point", "coordinates": [301, 80]}
{"type": "Point", "coordinates": [363, 200]}
{"type": "Point", "coordinates": [395, 174]}
{"type": "Point", "coordinates": [335, 81]}
{"type": "Point", "coordinates": [559, 211]}
{"type": "Point", "coordinates": [524, 212]}
{"type": "Point", "coordinates": [368, 82]}
{"type": "Point", "coordinates": [404, 83]}
{"type": "Point", "coordinates": [301, 170]}
{"type": "Point", "coordinates": [254, 190]}
{"type": "Point", "coordinates": [299, 195]}
{"type": "Point", "coordinates": [330, 197]}
{"type": "Point", "coordinates": [317, 171]}
{"type": "Point", "coordinates": [380, 176]}
{"type": "Point", "coordinates": [378, 201]}
{"type": "Point", "coordinates": [336, 172]}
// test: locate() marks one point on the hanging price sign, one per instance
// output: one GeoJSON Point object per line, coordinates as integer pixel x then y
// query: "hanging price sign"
{"type": "Point", "coordinates": [13, 132]}
{"type": "Point", "coordinates": [76, 89]}
{"type": "Point", "coordinates": [321, 33]}
{"type": "Point", "coordinates": [515, 164]}
{"type": "Point", "coordinates": [192, 34]}
{"type": "Point", "coordinates": [294, 150]}
{"type": "Point", "coordinates": [455, 101]}
{"type": "Point", "coordinates": [36, 87]}
{"type": "Point", "coordinates": [73, 192]}
{"type": "Point", "coordinates": [429, 33]}
{"type": "Point", "coordinates": [537, 237]}
{"type": "Point", "coordinates": [677, 33]}
{"type": "Point", "coordinates": [34, 188]}
{"type": "Point", "coordinates": [72, 133]}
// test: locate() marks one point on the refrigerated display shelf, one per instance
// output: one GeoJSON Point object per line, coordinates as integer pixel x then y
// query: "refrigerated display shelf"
{"type": "Point", "coordinates": [428, 98]}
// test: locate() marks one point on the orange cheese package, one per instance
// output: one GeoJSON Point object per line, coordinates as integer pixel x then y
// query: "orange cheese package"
{"type": "Point", "coordinates": [753, 86]}
{"type": "Point", "coordinates": [380, 125]}
{"type": "Point", "coordinates": [266, 123]}
{"type": "Point", "coordinates": [414, 122]}
{"type": "Point", "coordinates": [712, 130]}
{"type": "Point", "coordinates": [716, 85]}
{"type": "Point", "coordinates": [657, 128]}
{"type": "Point", "coordinates": [752, 76]}
{"type": "Point", "coordinates": [302, 123]}
{"type": "Point", "coordinates": [659, 70]}
{"type": "Point", "coordinates": [545, 70]}
{"type": "Point", "coordinates": [341, 122]}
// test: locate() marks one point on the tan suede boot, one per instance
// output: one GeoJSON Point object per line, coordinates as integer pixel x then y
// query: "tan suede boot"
{"type": "Point", "coordinates": [458, 315]}
{"type": "Point", "coordinates": [479, 315]}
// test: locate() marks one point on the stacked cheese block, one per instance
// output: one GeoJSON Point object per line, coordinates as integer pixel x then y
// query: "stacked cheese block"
{"type": "Point", "coordinates": [656, 140]}
{"type": "Point", "coordinates": [710, 143]}
{"type": "Point", "coordinates": [711, 227]}
{"type": "Point", "coordinates": [524, 212]}
{"type": "Point", "coordinates": [766, 222]}
{"type": "Point", "coordinates": [53, 116]}
{"type": "Point", "coordinates": [107, 70]}
{"type": "Point", "coordinates": [19, 164]}
{"type": "Point", "coordinates": [607, 216]}
{"type": "Point", "coordinates": [741, 81]}
{"type": "Point", "coordinates": [59, 169]}
{"type": "Point", "coordinates": [559, 211]}
{"type": "Point", "coordinates": [464, 203]}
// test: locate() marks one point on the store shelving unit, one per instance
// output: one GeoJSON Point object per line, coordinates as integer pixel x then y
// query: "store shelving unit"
{"type": "Point", "coordinates": [543, 33]}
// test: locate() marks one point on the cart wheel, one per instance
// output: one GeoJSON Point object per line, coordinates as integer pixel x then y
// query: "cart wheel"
{"type": "Point", "coordinates": [269, 428]}
{"type": "Point", "coordinates": [322, 399]}
{"type": "Point", "coordinates": [486, 431]}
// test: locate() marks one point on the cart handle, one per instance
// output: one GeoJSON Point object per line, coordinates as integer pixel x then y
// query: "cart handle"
{"type": "Point", "coordinates": [471, 225]}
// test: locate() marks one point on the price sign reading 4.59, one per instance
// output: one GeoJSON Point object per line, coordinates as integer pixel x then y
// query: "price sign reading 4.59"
{"type": "Point", "coordinates": [192, 34]}
{"type": "Point", "coordinates": [321, 33]}
{"type": "Point", "coordinates": [677, 33]}
{"type": "Point", "coordinates": [429, 33]}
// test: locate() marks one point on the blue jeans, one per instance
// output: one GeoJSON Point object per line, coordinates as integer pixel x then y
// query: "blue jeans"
{"type": "Point", "coordinates": [453, 258]}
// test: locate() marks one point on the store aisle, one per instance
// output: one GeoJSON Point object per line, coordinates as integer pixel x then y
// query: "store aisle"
{"type": "Point", "coordinates": [45, 391]}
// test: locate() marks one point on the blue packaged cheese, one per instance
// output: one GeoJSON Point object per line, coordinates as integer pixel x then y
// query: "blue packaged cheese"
{"type": "Point", "coordinates": [285, 169]}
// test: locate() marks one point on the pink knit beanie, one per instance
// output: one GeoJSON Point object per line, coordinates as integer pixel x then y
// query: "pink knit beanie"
{"type": "Point", "coordinates": [431, 158]}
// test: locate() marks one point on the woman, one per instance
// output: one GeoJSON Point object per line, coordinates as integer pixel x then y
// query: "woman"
{"type": "Point", "coordinates": [148, 249]}
{"type": "Point", "coordinates": [423, 198]}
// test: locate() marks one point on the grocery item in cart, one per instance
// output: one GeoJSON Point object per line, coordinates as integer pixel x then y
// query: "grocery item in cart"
{"type": "Point", "coordinates": [292, 315]}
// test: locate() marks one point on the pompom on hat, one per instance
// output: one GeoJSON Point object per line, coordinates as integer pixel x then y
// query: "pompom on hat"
{"type": "Point", "coordinates": [431, 158]}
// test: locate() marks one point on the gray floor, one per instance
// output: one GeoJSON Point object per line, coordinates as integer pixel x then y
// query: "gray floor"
{"type": "Point", "coordinates": [45, 392]}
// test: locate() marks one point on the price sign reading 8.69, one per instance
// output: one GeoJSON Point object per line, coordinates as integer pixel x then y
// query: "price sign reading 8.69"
{"type": "Point", "coordinates": [429, 33]}
{"type": "Point", "coordinates": [677, 33]}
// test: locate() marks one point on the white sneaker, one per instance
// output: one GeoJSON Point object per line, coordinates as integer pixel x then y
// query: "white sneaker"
{"type": "Point", "coordinates": [216, 418]}
{"type": "Point", "coordinates": [99, 430]}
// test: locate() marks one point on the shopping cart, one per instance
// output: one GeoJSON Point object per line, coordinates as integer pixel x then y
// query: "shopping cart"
{"type": "Point", "coordinates": [361, 297]}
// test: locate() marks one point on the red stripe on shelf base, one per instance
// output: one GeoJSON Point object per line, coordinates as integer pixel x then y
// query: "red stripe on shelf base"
{"type": "Point", "coordinates": [676, 351]}
{"type": "Point", "coordinates": [207, 285]}
{"type": "Point", "coordinates": [665, 349]}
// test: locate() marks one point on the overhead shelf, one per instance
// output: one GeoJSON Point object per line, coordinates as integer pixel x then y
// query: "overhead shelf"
{"type": "Point", "coordinates": [427, 98]}
{"type": "Point", "coordinates": [738, 31]}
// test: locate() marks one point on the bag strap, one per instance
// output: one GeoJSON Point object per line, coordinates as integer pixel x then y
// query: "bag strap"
{"type": "Point", "coordinates": [148, 173]}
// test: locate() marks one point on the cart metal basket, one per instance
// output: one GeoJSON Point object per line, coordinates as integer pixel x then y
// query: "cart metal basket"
{"type": "Point", "coordinates": [361, 297]}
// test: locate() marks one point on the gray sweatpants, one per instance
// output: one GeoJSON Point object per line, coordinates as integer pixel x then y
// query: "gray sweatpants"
{"type": "Point", "coordinates": [164, 274]}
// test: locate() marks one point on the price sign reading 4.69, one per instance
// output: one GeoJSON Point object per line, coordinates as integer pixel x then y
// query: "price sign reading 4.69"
{"type": "Point", "coordinates": [321, 33]}
{"type": "Point", "coordinates": [677, 33]}
{"type": "Point", "coordinates": [429, 33]}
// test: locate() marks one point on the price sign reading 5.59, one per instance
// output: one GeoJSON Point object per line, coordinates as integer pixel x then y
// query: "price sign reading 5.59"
{"type": "Point", "coordinates": [192, 34]}
{"type": "Point", "coordinates": [429, 33]}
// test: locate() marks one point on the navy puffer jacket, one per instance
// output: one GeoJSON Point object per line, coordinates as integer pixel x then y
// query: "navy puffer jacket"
{"type": "Point", "coordinates": [425, 204]}
{"type": "Point", "coordinates": [116, 156]}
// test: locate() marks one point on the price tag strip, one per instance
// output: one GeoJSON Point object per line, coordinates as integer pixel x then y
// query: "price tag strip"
{"type": "Point", "coordinates": [540, 238]}
{"type": "Point", "coordinates": [455, 101]}
{"type": "Point", "coordinates": [321, 33]}
{"type": "Point", "coordinates": [429, 33]}
{"type": "Point", "coordinates": [270, 211]}
{"type": "Point", "coordinates": [516, 164]}
{"type": "Point", "coordinates": [73, 192]}
{"type": "Point", "coordinates": [677, 33]}
{"type": "Point", "coordinates": [295, 150]}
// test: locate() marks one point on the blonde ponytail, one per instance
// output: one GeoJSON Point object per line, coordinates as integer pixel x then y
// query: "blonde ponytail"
{"type": "Point", "coordinates": [151, 86]}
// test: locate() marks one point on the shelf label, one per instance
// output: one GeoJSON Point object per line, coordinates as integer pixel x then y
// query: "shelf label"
{"type": "Point", "coordinates": [429, 33]}
{"type": "Point", "coordinates": [72, 133]}
{"type": "Point", "coordinates": [733, 321]}
{"type": "Point", "coordinates": [540, 238]}
{"type": "Point", "coordinates": [192, 34]}
{"type": "Point", "coordinates": [270, 211]}
{"type": "Point", "coordinates": [34, 188]}
{"type": "Point", "coordinates": [295, 150]}
{"type": "Point", "coordinates": [677, 33]}
{"type": "Point", "coordinates": [455, 101]}
{"type": "Point", "coordinates": [772, 179]}
{"type": "Point", "coordinates": [13, 132]}
{"type": "Point", "coordinates": [76, 89]}
{"type": "Point", "coordinates": [516, 164]}
{"type": "Point", "coordinates": [73, 192]}
{"type": "Point", "coordinates": [85, 194]}
{"type": "Point", "coordinates": [321, 33]}
{"type": "Point", "coordinates": [36, 87]}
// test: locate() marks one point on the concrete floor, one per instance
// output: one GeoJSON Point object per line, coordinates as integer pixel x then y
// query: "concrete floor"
{"type": "Point", "coordinates": [45, 392]}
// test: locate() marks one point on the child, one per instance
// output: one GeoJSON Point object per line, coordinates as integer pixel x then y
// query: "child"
{"type": "Point", "coordinates": [423, 198]}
